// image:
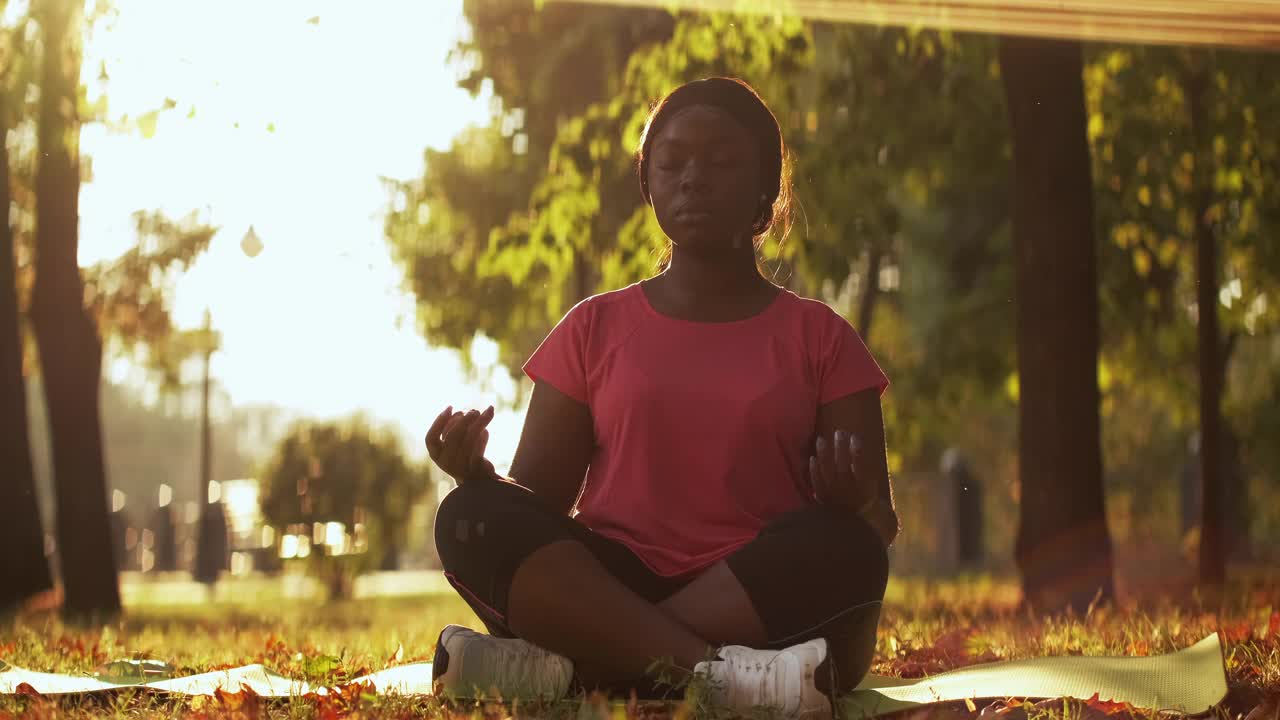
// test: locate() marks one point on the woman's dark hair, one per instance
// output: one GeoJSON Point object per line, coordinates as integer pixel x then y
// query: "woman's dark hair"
{"type": "Point", "coordinates": [741, 102]}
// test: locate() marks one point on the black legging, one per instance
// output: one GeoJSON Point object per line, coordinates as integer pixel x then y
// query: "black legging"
{"type": "Point", "coordinates": [815, 572]}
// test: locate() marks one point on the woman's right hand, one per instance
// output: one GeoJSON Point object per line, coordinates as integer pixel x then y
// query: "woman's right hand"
{"type": "Point", "coordinates": [456, 442]}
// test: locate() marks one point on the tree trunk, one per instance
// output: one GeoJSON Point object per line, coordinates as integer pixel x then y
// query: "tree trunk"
{"type": "Point", "coordinates": [70, 349]}
{"type": "Point", "coordinates": [25, 570]}
{"type": "Point", "coordinates": [870, 291]}
{"type": "Point", "coordinates": [1213, 567]}
{"type": "Point", "coordinates": [1063, 548]}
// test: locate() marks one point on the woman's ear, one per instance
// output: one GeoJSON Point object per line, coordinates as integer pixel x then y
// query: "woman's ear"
{"type": "Point", "coordinates": [764, 211]}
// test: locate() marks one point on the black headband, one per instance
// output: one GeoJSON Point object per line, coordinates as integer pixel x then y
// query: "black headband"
{"type": "Point", "coordinates": [742, 104]}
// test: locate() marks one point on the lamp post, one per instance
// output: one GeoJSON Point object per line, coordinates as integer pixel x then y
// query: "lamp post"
{"type": "Point", "coordinates": [211, 532]}
{"type": "Point", "coordinates": [205, 440]}
{"type": "Point", "coordinates": [212, 543]}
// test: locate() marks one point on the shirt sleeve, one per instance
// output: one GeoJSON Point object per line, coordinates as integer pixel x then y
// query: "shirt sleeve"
{"type": "Point", "coordinates": [560, 361]}
{"type": "Point", "coordinates": [846, 365]}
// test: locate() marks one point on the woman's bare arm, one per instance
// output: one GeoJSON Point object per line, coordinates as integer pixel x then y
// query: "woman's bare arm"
{"type": "Point", "coordinates": [860, 415]}
{"type": "Point", "coordinates": [555, 447]}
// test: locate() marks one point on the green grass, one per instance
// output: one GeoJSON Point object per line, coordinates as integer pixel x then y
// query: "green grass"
{"type": "Point", "coordinates": [927, 627]}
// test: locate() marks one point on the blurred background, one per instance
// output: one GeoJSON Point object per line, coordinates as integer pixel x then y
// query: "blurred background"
{"type": "Point", "coordinates": [305, 227]}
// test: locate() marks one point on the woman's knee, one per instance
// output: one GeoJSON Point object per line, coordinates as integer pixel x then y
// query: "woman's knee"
{"type": "Point", "coordinates": [465, 515]}
{"type": "Point", "coordinates": [849, 540]}
{"type": "Point", "coordinates": [810, 569]}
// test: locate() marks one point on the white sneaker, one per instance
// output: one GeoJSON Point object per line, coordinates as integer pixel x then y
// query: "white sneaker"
{"type": "Point", "coordinates": [783, 680]}
{"type": "Point", "coordinates": [475, 665]}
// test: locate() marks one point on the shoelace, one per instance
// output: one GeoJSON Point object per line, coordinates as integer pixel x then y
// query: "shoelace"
{"type": "Point", "coordinates": [751, 680]}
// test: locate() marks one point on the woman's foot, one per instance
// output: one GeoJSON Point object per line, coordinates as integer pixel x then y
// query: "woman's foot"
{"type": "Point", "coordinates": [784, 680]}
{"type": "Point", "coordinates": [475, 665]}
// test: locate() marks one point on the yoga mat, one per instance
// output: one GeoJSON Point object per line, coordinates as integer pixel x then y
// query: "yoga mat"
{"type": "Point", "coordinates": [410, 679]}
{"type": "Point", "coordinates": [1189, 681]}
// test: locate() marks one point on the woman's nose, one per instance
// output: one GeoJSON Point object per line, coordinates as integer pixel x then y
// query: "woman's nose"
{"type": "Point", "coordinates": [693, 180]}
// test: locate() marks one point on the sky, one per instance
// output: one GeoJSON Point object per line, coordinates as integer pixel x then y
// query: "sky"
{"type": "Point", "coordinates": [287, 114]}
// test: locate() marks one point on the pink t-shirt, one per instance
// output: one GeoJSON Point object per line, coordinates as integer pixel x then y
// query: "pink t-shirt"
{"type": "Point", "coordinates": [703, 431]}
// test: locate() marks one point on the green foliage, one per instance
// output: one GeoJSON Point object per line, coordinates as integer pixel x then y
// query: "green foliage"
{"type": "Point", "coordinates": [1159, 170]}
{"type": "Point", "coordinates": [895, 171]}
{"type": "Point", "coordinates": [1179, 136]}
{"type": "Point", "coordinates": [897, 120]}
{"type": "Point", "coordinates": [442, 232]}
{"type": "Point", "coordinates": [449, 228]}
{"type": "Point", "coordinates": [130, 295]}
{"type": "Point", "coordinates": [349, 473]}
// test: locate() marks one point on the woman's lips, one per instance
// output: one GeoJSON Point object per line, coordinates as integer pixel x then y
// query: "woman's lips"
{"type": "Point", "coordinates": [694, 215]}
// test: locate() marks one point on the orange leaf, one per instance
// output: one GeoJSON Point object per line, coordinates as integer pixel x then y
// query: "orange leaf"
{"type": "Point", "coordinates": [1001, 707]}
{"type": "Point", "coordinates": [229, 700]}
{"type": "Point", "coordinates": [1273, 627]}
{"type": "Point", "coordinates": [26, 689]}
{"type": "Point", "coordinates": [1240, 632]}
{"type": "Point", "coordinates": [245, 701]}
{"type": "Point", "coordinates": [1107, 706]}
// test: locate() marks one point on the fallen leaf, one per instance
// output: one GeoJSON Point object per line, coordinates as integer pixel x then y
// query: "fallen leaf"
{"type": "Point", "coordinates": [1238, 633]}
{"type": "Point", "coordinates": [245, 702]}
{"type": "Point", "coordinates": [1003, 708]}
{"type": "Point", "coordinates": [340, 700]}
{"type": "Point", "coordinates": [1108, 706]}
{"type": "Point", "coordinates": [26, 689]}
{"type": "Point", "coordinates": [1138, 647]}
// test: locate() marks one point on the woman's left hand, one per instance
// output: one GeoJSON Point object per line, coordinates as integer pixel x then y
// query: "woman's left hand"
{"type": "Point", "coordinates": [834, 476]}
{"type": "Point", "coordinates": [833, 473]}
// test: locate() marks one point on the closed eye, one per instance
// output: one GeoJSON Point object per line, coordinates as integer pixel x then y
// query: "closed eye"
{"type": "Point", "coordinates": [669, 162]}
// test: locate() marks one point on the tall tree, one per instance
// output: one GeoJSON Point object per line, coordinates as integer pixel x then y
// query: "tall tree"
{"type": "Point", "coordinates": [1213, 568]}
{"type": "Point", "coordinates": [21, 535]}
{"type": "Point", "coordinates": [70, 349]}
{"type": "Point", "coordinates": [1063, 548]}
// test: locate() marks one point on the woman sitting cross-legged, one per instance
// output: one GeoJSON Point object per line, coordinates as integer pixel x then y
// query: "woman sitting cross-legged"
{"type": "Point", "coordinates": [701, 476]}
